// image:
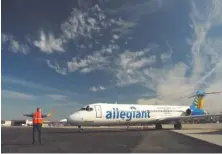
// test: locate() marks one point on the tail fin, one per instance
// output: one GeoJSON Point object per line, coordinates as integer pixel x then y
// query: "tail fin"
{"type": "Point", "coordinates": [198, 102]}
{"type": "Point", "coordinates": [198, 99]}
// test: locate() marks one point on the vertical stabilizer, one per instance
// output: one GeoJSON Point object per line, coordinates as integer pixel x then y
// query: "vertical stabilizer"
{"type": "Point", "coordinates": [198, 102]}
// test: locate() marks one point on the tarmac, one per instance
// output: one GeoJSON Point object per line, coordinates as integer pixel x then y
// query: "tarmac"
{"type": "Point", "coordinates": [114, 140]}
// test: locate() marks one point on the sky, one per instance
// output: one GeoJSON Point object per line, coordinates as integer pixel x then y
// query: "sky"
{"type": "Point", "coordinates": [63, 56]}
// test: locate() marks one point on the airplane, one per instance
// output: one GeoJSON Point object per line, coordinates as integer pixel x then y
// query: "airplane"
{"type": "Point", "coordinates": [104, 114]}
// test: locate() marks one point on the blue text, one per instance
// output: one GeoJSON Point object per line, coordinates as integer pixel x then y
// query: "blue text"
{"type": "Point", "coordinates": [128, 115]}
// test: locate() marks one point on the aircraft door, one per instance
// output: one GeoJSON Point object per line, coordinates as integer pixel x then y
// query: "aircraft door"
{"type": "Point", "coordinates": [98, 111]}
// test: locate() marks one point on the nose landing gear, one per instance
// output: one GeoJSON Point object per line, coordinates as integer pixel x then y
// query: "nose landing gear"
{"type": "Point", "coordinates": [80, 129]}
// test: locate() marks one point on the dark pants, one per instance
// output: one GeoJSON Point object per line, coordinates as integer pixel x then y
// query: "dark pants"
{"type": "Point", "coordinates": [37, 128]}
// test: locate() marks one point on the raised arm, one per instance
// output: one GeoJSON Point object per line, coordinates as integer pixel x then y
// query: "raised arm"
{"type": "Point", "coordinates": [46, 115]}
{"type": "Point", "coordinates": [28, 115]}
{"type": "Point", "coordinates": [43, 115]}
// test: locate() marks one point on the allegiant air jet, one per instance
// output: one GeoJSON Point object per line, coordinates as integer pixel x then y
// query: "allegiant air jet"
{"type": "Point", "coordinates": [103, 114]}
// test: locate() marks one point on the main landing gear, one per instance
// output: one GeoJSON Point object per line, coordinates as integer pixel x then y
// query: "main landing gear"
{"type": "Point", "coordinates": [158, 126]}
{"type": "Point", "coordinates": [177, 125]}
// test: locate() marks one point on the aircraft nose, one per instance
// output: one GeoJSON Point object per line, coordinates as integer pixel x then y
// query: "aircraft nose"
{"type": "Point", "coordinates": [74, 118]}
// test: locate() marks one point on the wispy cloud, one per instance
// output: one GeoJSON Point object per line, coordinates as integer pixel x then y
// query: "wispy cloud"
{"type": "Point", "coordinates": [18, 102]}
{"type": "Point", "coordinates": [205, 66]}
{"type": "Point", "coordinates": [79, 25]}
{"type": "Point", "coordinates": [56, 67]}
{"type": "Point", "coordinates": [95, 89]}
{"type": "Point", "coordinates": [49, 44]}
{"type": "Point", "coordinates": [58, 97]}
{"type": "Point", "coordinates": [12, 80]}
{"type": "Point", "coordinates": [29, 84]}
{"type": "Point", "coordinates": [16, 95]}
{"type": "Point", "coordinates": [14, 45]}
{"type": "Point", "coordinates": [129, 66]}
{"type": "Point", "coordinates": [43, 90]}
{"type": "Point", "coordinates": [143, 8]}
{"type": "Point", "coordinates": [124, 26]}
{"type": "Point", "coordinates": [99, 60]}
{"type": "Point", "coordinates": [90, 26]}
{"type": "Point", "coordinates": [10, 94]}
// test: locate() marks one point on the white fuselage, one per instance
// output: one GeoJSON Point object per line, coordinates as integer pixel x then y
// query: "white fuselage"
{"type": "Point", "coordinates": [102, 114]}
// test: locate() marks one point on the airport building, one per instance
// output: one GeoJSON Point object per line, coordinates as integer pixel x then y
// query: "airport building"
{"type": "Point", "coordinates": [7, 123]}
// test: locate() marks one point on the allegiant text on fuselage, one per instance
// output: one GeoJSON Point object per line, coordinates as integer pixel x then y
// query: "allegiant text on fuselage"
{"type": "Point", "coordinates": [115, 113]}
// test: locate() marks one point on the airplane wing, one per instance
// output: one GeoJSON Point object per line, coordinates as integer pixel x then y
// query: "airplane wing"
{"type": "Point", "coordinates": [171, 119]}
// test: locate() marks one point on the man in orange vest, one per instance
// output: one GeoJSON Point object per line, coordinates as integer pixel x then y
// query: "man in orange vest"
{"type": "Point", "coordinates": [37, 121]}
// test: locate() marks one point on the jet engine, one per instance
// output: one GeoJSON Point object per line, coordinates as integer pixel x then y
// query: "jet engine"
{"type": "Point", "coordinates": [188, 112]}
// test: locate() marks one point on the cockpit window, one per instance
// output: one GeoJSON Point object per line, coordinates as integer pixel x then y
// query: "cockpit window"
{"type": "Point", "coordinates": [87, 108]}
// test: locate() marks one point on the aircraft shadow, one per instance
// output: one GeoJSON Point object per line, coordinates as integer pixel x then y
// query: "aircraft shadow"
{"type": "Point", "coordinates": [18, 144]}
{"type": "Point", "coordinates": [89, 131]}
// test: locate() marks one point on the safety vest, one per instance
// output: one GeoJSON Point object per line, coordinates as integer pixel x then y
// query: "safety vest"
{"type": "Point", "coordinates": [37, 118]}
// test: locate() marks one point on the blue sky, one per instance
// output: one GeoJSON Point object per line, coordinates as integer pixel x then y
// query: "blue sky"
{"type": "Point", "coordinates": [63, 56]}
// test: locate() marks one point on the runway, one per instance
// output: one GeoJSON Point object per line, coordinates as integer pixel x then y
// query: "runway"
{"type": "Point", "coordinates": [18, 139]}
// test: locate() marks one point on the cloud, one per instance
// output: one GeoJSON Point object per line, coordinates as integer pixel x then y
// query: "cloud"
{"type": "Point", "coordinates": [88, 64]}
{"type": "Point", "coordinates": [124, 26]}
{"type": "Point", "coordinates": [20, 96]}
{"type": "Point", "coordinates": [12, 80]}
{"type": "Point", "coordinates": [17, 102]}
{"type": "Point", "coordinates": [14, 45]}
{"type": "Point", "coordinates": [58, 97]}
{"type": "Point", "coordinates": [79, 25]}
{"type": "Point", "coordinates": [83, 23]}
{"type": "Point", "coordinates": [99, 60]}
{"type": "Point", "coordinates": [56, 67]}
{"type": "Point", "coordinates": [129, 65]}
{"type": "Point", "coordinates": [49, 44]}
{"type": "Point", "coordinates": [29, 84]}
{"type": "Point", "coordinates": [43, 90]}
{"type": "Point", "coordinates": [100, 88]}
{"type": "Point", "coordinates": [204, 69]}
{"type": "Point", "coordinates": [143, 8]}
{"type": "Point", "coordinates": [16, 95]}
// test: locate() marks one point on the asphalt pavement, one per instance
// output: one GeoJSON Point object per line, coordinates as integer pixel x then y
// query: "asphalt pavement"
{"type": "Point", "coordinates": [18, 140]}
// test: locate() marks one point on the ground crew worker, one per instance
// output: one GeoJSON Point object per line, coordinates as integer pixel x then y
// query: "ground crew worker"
{"type": "Point", "coordinates": [37, 121]}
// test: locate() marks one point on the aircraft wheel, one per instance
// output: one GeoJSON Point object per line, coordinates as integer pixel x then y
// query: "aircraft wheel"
{"type": "Point", "coordinates": [158, 126]}
{"type": "Point", "coordinates": [177, 126]}
{"type": "Point", "coordinates": [80, 129]}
